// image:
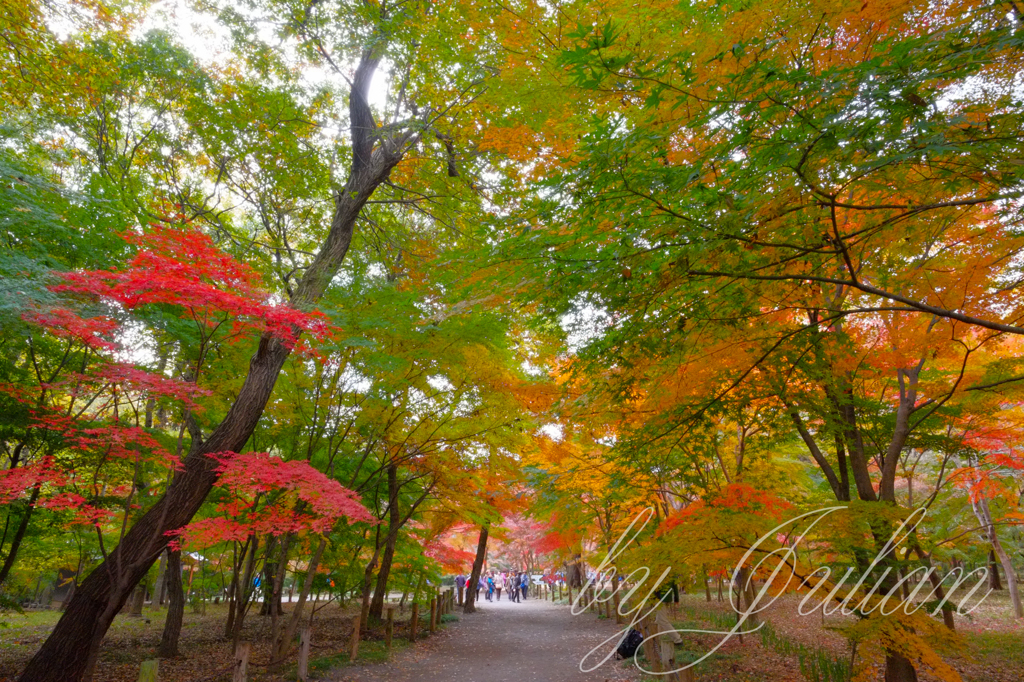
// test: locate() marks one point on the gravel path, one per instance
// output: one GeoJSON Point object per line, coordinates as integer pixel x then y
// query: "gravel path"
{"type": "Point", "coordinates": [533, 641]}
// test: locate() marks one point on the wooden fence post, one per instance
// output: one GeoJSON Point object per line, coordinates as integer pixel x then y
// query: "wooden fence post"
{"type": "Point", "coordinates": [389, 629]}
{"type": "Point", "coordinates": [608, 607]}
{"type": "Point", "coordinates": [149, 671]}
{"type": "Point", "coordinates": [241, 662]}
{"type": "Point", "coordinates": [414, 622]}
{"type": "Point", "coordinates": [650, 645]}
{"type": "Point", "coordinates": [433, 615]}
{"type": "Point", "coordinates": [618, 616]}
{"type": "Point", "coordinates": [353, 645]}
{"type": "Point", "coordinates": [303, 672]}
{"type": "Point", "coordinates": [666, 654]}
{"type": "Point", "coordinates": [568, 588]}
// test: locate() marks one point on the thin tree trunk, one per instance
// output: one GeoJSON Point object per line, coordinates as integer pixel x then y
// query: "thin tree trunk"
{"type": "Point", "coordinates": [161, 581]}
{"type": "Point", "coordinates": [478, 564]}
{"type": "Point", "coordinates": [269, 574]}
{"type": "Point", "coordinates": [236, 568]}
{"type": "Point", "coordinates": [244, 594]}
{"type": "Point", "coordinates": [278, 585]}
{"type": "Point", "coordinates": [284, 641]}
{"type": "Point", "coordinates": [981, 510]}
{"type": "Point", "coordinates": [138, 600]}
{"type": "Point", "coordinates": [19, 535]}
{"type": "Point", "coordinates": [993, 572]}
{"type": "Point", "coordinates": [376, 609]}
{"type": "Point", "coordinates": [175, 608]}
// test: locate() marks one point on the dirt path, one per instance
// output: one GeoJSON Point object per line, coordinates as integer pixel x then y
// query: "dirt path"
{"type": "Point", "coordinates": [533, 641]}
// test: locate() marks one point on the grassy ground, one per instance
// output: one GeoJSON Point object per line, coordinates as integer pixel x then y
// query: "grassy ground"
{"type": "Point", "coordinates": [794, 647]}
{"type": "Point", "coordinates": [204, 651]}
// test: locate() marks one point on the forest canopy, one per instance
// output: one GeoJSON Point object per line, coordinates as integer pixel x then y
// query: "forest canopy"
{"type": "Point", "coordinates": [325, 296]}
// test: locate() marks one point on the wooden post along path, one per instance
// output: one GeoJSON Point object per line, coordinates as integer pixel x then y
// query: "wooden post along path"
{"type": "Point", "coordinates": [149, 671]}
{"type": "Point", "coordinates": [389, 629]}
{"type": "Point", "coordinates": [433, 615]}
{"type": "Point", "coordinates": [241, 662]}
{"type": "Point", "coordinates": [353, 644]}
{"type": "Point", "coordinates": [303, 671]}
{"type": "Point", "coordinates": [414, 621]}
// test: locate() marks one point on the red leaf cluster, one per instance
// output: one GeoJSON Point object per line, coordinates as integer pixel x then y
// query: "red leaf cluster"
{"type": "Point", "coordinates": [184, 268]}
{"type": "Point", "coordinates": [252, 475]}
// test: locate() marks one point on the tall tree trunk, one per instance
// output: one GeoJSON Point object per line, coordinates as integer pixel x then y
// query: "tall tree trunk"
{"type": "Point", "coordinates": [993, 572]}
{"type": "Point", "coordinates": [981, 510]}
{"type": "Point", "coordinates": [269, 578]}
{"type": "Point", "coordinates": [474, 579]}
{"type": "Point", "coordinates": [69, 653]}
{"type": "Point", "coordinates": [19, 535]}
{"type": "Point", "coordinates": [364, 603]}
{"type": "Point", "coordinates": [284, 640]}
{"type": "Point", "coordinates": [376, 609]}
{"type": "Point", "coordinates": [175, 608]}
{"type": "Point", "coordinates": [278, 585]}
{"type": "Point", "coordinates": [236, 567]}
{"type": "Point", "coordinates": [161, 581]}
{"type": "Point", "coordinates": [243, 593]}
{"type": "Point", "coordinates": [138, 600]}
{"type": "Point", "coordinates": [899, 669]}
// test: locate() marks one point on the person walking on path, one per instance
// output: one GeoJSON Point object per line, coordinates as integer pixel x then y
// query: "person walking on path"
{"type": "Point", "coordinates": [525, 583]}
{"type": "Point", "coordinates": [513, 587]}
{"type": "Point", "coordinates": [499, 582]}
{"type": "Point", "coordinates": [460, 583]}
{"type": "Point", "coordinates": [490, 588]}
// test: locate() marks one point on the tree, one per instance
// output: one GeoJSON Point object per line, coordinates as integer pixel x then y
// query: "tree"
{"type": "Point", "coordinates": [70, 651]}
{"type": "Point", "coordinates": [786, 207]}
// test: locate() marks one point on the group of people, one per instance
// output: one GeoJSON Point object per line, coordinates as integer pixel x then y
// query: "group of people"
{"type": "Point", "coordinates": [515, 584]}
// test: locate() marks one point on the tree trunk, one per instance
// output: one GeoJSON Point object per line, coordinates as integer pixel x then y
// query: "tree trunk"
{"type": "Point", "coordinates": [981, 510]}
{"type": "Point", "coordinates": [284, 641]}
{"type": "Point", "coordinates": [175, 608]}
{"type": "Point", "coordinates": [899, 669]}
{"type": "Point", "coordinates": [364, 602]}
{"type": "Point", "coordinates": [161, 581]}
{"type": "Point", "coordinates": [138, 600]}
{"type": "Point", "coordinates": [236, 567]}
{"type": "Point", "coordinates": [69, 653]}
{"type": "Point", "coordinates": [268, 573]}
{"type": "Point", "coordinates": [272, 576]}
{"type": "Point", "coordinates": [993, 572]}
{"type": "Point", "coordinates": [376, 610]}
{"type": "Point", "coordinates": [474, 579]}
{"type": "Point", "coordinates": [246, 593]}
{"type": "Point", "coordinates": [19, 535]}
{"type": "Point", "coordinates": [278, 585]}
